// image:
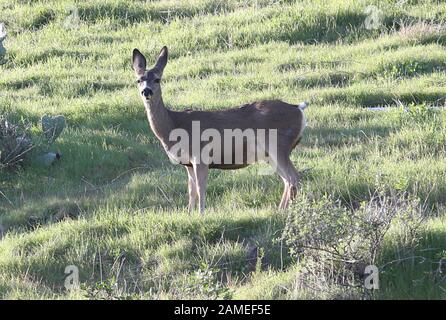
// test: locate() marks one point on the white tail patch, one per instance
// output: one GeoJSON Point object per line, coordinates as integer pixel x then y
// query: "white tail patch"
{"type": "Point", "coordinates": [303, 105]}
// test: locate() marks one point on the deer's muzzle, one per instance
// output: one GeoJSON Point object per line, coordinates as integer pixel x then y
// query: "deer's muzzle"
{"type": "Point", "coordinates": [147, 92]}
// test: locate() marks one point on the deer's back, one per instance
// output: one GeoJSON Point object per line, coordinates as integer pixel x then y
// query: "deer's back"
{"type": "Point", "coordinates": [268, 114]}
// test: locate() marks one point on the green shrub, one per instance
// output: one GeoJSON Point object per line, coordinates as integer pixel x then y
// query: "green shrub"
{"type": "Point", "coordinates": [336, 243]}
{"type": "Point", "coordinates": [15, 143]}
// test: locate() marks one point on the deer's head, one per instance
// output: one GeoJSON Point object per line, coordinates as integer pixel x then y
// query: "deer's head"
{"type": "Point", "coordinates": [149, 80]}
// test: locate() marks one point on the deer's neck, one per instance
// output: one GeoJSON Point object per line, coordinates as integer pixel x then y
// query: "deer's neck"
{"type": "Point", "coordinates": [160, 120]}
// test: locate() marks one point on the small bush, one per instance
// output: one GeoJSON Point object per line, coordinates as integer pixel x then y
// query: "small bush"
{"type": "Point", "coordinates": [15, 143]}
{"type": "Point", "coordinates": [106, 290]}
{"type": "Point", "coordinates": [203, 284]}
{"type": "Point", "coordinates": [335, 243]}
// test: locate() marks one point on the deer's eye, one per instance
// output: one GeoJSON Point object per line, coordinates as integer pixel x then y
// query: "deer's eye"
{"type": "Point", "coordinates": [157, 80]}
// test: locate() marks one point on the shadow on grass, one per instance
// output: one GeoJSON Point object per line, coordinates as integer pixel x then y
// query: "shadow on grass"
{"type": "Point", "coordinates": [346, 26]}
{"type": "Point", "coordinates": [127, 14]}
{"type": "Point", "coordinates": [380, 97]}
{"type": "Point", "coordinates": [43, 56]}
{"type": "Point", "coordinates": [98, 247]}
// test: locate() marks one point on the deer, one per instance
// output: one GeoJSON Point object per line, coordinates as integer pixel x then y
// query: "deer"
{"type": "Point", "coordinates": [287, 120]}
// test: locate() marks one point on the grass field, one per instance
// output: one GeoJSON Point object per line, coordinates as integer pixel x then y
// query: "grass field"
{"type": "Point", "coordinates": [115, 207]}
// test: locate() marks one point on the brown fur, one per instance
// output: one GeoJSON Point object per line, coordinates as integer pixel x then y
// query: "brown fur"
{"type": "Point", "coordinates": [269, 114]}
{"type": "Point", "coordinates": [288, 119]}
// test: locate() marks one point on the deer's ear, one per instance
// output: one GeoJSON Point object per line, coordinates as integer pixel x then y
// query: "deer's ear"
{"type": "Point", "coordinates": [139, 62]}
{"type": "Point", "coordinates": [162, 59]}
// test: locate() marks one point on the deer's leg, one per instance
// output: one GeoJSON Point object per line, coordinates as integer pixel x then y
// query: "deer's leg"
{"type": "Point", "coordinates": [284, 195]}
{"type": "Point", "coordinates": [192, 188]}
{"type": "Point", "coordinates": [201, 175]}
{"type": "Point", "coordinates": [293, 178]}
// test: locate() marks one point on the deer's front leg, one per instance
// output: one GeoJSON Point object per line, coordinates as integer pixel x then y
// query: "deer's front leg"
{"type": "Point", "coordinates": [201, 176]}
{"type": "Point", "coordinates": [192, 188]}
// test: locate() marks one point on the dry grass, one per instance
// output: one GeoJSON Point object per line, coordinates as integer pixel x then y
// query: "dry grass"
{"type": "Point", "coordinates": [421, 30]}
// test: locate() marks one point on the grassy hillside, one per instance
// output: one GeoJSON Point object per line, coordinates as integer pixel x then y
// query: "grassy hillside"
{"type": "Point", "coordinates": [115, 207]}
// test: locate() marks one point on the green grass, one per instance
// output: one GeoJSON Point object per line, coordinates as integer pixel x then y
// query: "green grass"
{"type": "Point", "coordinates": [116, 207]}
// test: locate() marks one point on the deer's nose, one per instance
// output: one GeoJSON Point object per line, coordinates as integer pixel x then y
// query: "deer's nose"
{"type": "Point", "coordinates": [147, 92]}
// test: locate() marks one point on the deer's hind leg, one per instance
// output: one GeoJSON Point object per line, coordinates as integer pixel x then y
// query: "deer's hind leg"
{"type": "Point", "coordinates": [285, 196]}
{"type": "Point", "coordinates": [192, 188]}
{"type": "Point", "coordinates": [290, 177]}
{"type": "Point", "coordinates": [293, 178]}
